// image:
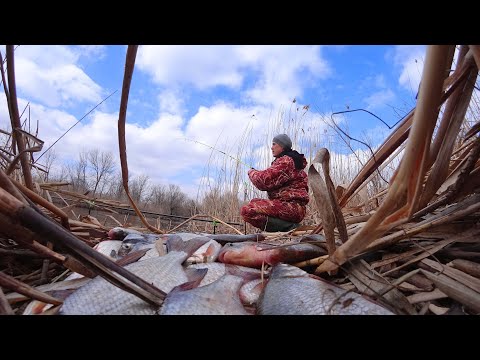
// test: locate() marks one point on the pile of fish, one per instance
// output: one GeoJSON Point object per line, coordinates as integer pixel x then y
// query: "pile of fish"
{"type": "Point", "coordinates": [205, 274]}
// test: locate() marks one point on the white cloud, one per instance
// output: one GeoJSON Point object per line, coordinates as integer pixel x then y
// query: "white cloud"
{"type": "Point", "coordinates": [379, 98]}
{"type": "Point", "coordinates": [204, 67]}
{"type": "Point", "coordinates": [279, 67]}
{"type": "Point", "coordinates": [51, 76]}
{"type": "Point", "coordinates": [93, 51]}
{"type": "Point", "coordinates": [379, 81]}
{"type": "Point", "coordinates": [410, 58]}
{"type": "Point", "coordinates": [171, 102]}
{"type": "Point", "coordinates": [198, 65]}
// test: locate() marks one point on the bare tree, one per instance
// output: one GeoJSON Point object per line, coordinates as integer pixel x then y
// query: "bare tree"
{"type": "Point", "coordinates": [102, 164]}
{"type": "Point", "coordinates": [175, 200]}
{"type": "Point", "coordinates": [157, 198]}
{"type": "Point", "coordinates": [78, 172]}
{"type": "Point", "coordinates": [138, 187]}
{"type": "Point", "coordinates": [49, 158]}
{"type": "Point", "coordinates": [115, 187]}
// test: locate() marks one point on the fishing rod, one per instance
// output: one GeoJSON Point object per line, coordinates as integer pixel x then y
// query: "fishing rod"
{"type": "Point", "coordinates": [71, 127]}
{"type": "Point", "coordinates": [223, 152]}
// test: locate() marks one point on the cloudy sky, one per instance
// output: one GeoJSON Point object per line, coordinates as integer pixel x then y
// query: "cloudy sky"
{"type": "Point", "coordinates": [210, 94]}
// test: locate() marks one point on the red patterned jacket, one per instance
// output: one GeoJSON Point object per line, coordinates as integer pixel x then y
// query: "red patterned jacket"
{"type": "Point", "coordinates": [282, 181]}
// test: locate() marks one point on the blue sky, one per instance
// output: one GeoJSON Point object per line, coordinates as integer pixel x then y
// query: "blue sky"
{"type": "Point", "coordinates": [211, 94]}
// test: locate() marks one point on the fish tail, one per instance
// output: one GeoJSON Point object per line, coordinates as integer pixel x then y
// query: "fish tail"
{"type": "Point", "coordinates": [175, 243]}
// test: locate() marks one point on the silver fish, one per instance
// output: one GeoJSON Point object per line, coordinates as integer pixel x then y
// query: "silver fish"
{"type": "Point", "coordinates": [119, 233]}
{"type": "Point", "coordinates": [218, 298]}
{"type": "Point", "coordinates": [136, 242]}
{"type": "Point", "coordinates": [101, 297]}
{"type": "Point", "coordinates": [109, 248]}
{"type": "Point", "coordinates": [207, 253]}
{"type": "Point", "coordinates": [251, 291]}
{"type": "Point", "coordinates": [292, 291]}
{"type": "Point", "coordinates": [217, 270]}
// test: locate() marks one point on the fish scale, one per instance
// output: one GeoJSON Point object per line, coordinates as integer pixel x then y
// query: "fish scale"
{"type": "Point", "coordinates": [217, 270]}
{"type": "Point", "coordinates": [291, 291]}
{"type": "Point", "coordinates": [101, 297]}
{"type": "Point", "coordinates": [218, 298]}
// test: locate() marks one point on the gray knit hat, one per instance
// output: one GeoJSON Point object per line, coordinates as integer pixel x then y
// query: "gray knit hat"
{"type": "Point", "coordinates": [283, 140]}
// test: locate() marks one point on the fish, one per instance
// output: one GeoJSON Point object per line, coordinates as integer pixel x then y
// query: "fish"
{"type": "Point", "coordinates": [220, 297]}
{"type": "Point", "coordinates": [100, 297]}
{"type": "Point", "coordinates": [119, 233]}
{"type": "Point", "coordinates": [109, 248]}
{"type": "Point", "coordinates": [292, 291]}
{"type": "Point", "coordinates": [216, 270]}
{"type": "Point", "coordinates": [223, 238]}
{"type": "Point", "coordinates": [135, 242]}
{"type": "Point", "coordinates": [207, 253]}
{"type": "Point", "coordinates": [233, 238]}
{"type": "Point", "coordinates": [251, 254]}
{"type": "Point", "coordinates": [250, 292]}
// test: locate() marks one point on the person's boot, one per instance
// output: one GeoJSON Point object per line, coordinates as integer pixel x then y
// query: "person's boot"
{"type": "Point", "coordinates": [275, 224]}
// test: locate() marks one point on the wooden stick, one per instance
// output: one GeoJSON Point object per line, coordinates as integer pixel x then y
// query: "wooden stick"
{"type": "Point", "coordinates": [48, 230]}
{"type": "Point", "coordinates": [127, 79]}
{"type": "Point", "coordinates": [224, 223]}
{"type": "Point", "coordinates": [5, 308]}
{"type": "Point", "coordinates": [467, 266]}
{"type": "Point", "coordinates": [183, 223]}
{"type": "Point", "coordinates": [404, 191]}
{"type": "Point", "coordinates": [455, 290]}
{"type": "Point", "coordinates": [476, 54]}
{"type": "Point", "coordinates": [15, 285]}
{"type": "Point", "coordinates": [27, 175]}
{"type": "Point", "coordinates": [41, 201]}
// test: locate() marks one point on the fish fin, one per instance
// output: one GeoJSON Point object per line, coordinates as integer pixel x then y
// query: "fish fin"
{"type": "Point", "coordinates": [210, 250]}
{"type": "Point", "coordinates": [132, 257]}
{"type": "Point", "coordinates": [175, 243]}
{"type": "Point", "coordinates": [236, 270]}
{"type": "Point", "coordinates": [195, 277]}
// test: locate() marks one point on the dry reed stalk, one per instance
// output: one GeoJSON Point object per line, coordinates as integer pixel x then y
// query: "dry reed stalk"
{"type": "Point", "coordinates": [455, 290]}
{"type": "Point", "coordinates": [466, 207]}
{"type": "Point", "coordinates": [9, 282]}
{"type": "Point", "coordinates": [408, 179]}
{"type": "Point", "coordinates": [127, 79]}
{"type": "Point", "coordinates": [466, 266]}
{"type": "Point", "coordinates": [371, 283]}
{"type": "Point", "coordinates": [476, 54]}
{"type": "Point", "coordinates": [227, 225]}
{"type": "Point", "coordinates": [323, 157]}
{"type": "Point", "coordinates": [384, 151]}
{"type": "Point", "coordinates": [425, 254]}
{"type": "Point", "coordinates": [15, 118]}
{"type": "Point", "coordinates": [5, 308]}
{"type": "Point", "coordinates": [454, 114]}
{"type": "Point", "coordinates": [41, 201]}
{"type": "Point", "coordinates": [48, 230]}
{"type": "Point", "coordinates": [458, 275]}
{"type": "Point", "coordinates": [426, 296]}
{"type": "Point", "coordinates": [183, 223]}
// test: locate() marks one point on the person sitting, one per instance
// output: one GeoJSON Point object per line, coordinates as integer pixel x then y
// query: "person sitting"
{"type": "Point", "coordinates": [286, 184]}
